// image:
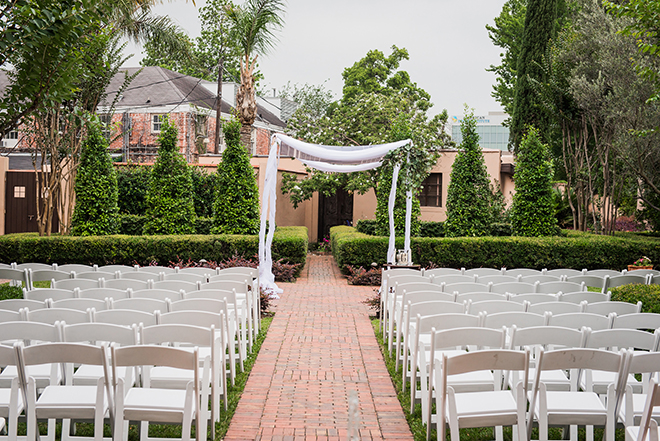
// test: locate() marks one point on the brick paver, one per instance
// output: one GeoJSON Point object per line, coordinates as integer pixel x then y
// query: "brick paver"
{"type": "Point", "coordinates": [319, 350]}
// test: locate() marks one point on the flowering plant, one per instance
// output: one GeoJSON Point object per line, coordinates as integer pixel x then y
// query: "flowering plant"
{"type": "Point", "coordinates": [324, 244]}
{"type": "Point", "coordinates": [642, 261]}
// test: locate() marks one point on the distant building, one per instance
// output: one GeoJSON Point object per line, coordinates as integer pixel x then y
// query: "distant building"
{"type": "Point", "coordinates": [492, 133]}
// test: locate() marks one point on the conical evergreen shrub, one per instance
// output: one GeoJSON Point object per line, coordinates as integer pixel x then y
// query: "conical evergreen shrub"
{"type": "Point", "coordinates": [96, 209]}
{"type": "Point", "coordinates": [170, 205]}
{"type": "Point", "coordinates": [469, 196]}
{"type": "Point", "coordinates": [236, 204]}
{"type": "Point", "coordinates": [532, 212]}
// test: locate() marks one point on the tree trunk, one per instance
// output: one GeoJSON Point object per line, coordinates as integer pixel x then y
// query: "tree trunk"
{"type": "Point", "coordinates": [246, 102]}
{"type": "Point", "coordinates": [246, 137]}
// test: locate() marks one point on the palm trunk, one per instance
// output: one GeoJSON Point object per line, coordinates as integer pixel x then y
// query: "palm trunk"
{"type": "Point", "coordinates": [246, 102]}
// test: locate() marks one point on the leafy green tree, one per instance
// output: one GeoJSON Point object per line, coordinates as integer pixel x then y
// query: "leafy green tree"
{"type": "Point", "coordinates": [96, 209]}
{"type": "Point", "coordinates": [202, 57]}
{"type": "Point", "coordinates": [469, 196]}
{"type": "Point", "coordinates": [133, 181]}
{"type": "Point", "coordinates": [204, 185]}
{"type": "Point", "coordinates": [252, 24]}
{"type": "Point", "coordinates": [532, 212]}
{"type": "Point", "coordinates": [539, 29]}
{"type": "Point", "coordinates": [170, 206]}
{"type": "Point", "coordinates": [507, 34]}
{"type": "Point", "coordinates": [236, 204]}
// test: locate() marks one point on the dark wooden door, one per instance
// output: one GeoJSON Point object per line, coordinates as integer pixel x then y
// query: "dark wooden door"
{"type": "Point", "coordinates": [336, 209]}
{"type": "Point", "coordinates": [21, 203]}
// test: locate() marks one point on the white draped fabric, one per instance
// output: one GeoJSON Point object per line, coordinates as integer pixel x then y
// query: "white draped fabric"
{"type": "Point", "coordinates": [325, 158]}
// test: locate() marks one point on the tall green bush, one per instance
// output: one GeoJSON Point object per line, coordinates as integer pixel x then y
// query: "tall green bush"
{"type": "Point", "coordinates": [236, 204]}
{"type": "Point", "coordinates": [95, 212]}
{"type": "Point", "coordinates": [203, 191]}
{"type": "Point", "coordinates": [532, 212]}
{"type": "Point", "coordinates": [170, 207]}
{"type": "Point", "coordinates": [470, 199]}
{"type": "Point", "coordinates": [132, 181]}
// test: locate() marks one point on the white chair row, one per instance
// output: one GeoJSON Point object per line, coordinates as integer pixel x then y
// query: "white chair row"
{"type": "Point", "coordinates": [471, 388]}
{"type": "Point", "coordinates": [157, 397]}
{"type": "Point", "coordinates": [561, 272]}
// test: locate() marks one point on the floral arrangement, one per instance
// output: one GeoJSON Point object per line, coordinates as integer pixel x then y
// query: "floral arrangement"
{"type": "Point", "coordinates": [642, 261]}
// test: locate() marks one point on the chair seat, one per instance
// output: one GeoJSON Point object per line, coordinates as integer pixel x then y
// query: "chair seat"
{"type": "Point", "coordinates": [562, 405]}
{"type": "Point", "coordinates": [602, 379]}
{"type": "Point", "coordinates": [58, 401]}
{"type": "Point", "coordinates": [632, 432]}
{"type": "Point", "coordinates": [5, 395]}
{"type": "Point", "coordinates": [171, 378]}
{"type": "Point", "coordinates": [553, 380]}
{"type": "Point", "coordinates": [485, 403]}
{"type": "Point", "coordinates": [40, 373]}
{"type": "Point", "coordinates": [639, 400]}
{"type": "Point", "coordinates": [155, 405]}
{"type": "Point", "coordinates": [88, 375]}
{"type": "Point", "coordinates": [477, 381]}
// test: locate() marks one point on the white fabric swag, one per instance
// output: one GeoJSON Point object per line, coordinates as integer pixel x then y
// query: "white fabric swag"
{"type": "Point", "coordinates": [333, 159]}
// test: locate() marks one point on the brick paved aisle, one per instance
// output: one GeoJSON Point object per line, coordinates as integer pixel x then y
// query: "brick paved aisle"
{"type": "Point", "coordinates": [320, 347]}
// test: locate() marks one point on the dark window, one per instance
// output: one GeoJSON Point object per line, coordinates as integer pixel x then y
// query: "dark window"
{"type": "Point", "coordinates": [431, 194]}
{"type": "Point", "coordinates": [106, 120]}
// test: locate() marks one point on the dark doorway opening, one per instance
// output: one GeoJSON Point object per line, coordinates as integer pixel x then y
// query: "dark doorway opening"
{"type": "Point", "coordinates": [336, 209]}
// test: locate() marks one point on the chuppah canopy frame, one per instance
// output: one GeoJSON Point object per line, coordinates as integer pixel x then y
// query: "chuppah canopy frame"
{"type": "Point", "coordinates": [333, 159]}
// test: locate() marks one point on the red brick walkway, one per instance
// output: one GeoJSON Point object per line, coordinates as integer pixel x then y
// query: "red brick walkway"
{"type": "Point", "coordinates": [319, 349]}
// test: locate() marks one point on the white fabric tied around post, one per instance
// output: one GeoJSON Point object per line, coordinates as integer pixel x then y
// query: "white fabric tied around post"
{"type": "Point", "coordinates": [266, 277]}
{"type": "Point", "coordinates": [325, 158]}
{"type": "Point", "coordinates": [391, 250]}
{"type": "Point", "coordinates": [406, 245]}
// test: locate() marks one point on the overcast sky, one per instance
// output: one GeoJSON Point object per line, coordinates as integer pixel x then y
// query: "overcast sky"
{"type": "Point", "coordinates": [447, 41]}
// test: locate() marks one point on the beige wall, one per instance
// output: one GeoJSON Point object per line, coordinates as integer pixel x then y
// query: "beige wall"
{"type": "Point", "coordinates": [4, 166]}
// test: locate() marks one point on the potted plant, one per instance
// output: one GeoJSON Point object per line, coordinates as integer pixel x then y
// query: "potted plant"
{"type": "Point", "coordinates": [641, 263]}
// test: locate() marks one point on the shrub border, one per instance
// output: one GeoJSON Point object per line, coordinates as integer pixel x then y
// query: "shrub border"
{"type": "Point", "coordinates": [575, 250]}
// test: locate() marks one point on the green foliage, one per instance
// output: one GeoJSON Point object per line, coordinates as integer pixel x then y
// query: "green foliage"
{"type": "Point", "coordinates": [132, 182]}
{"type": "Point", "coordinates": [470, 198]}
{"type": "Point", "coordinates": [170, 206]}
{"type": "Point", "coordinates": [367, 226]}
{"type": "Point", "coordinates": [507, 34]}
{"type": "Point", "coordinates": [431, 229]}
{"type": "Point", "coordinates": [649, 295]}
{"type": "Point", "coordinates": [575, 250]}
{"type": "Point", "coordinates": [539, 29]}
{"type": "Point", "coordinates": [414, 168]}
{"type": "Point", "coordinates": [236, 203]}
{"type": "Point", "coordinates": [10, 292]}
{"type": "Point", "coordinates": [96, 208]}
{"type": "Point", "coordinates": [204, 185]}
{"type": "Point", "coordinates": [532, 211]}
{"type": "Point", "coordinates": [131, 224]}
{"type": "Point", "coordinates": [289, 245]}
{"type": "Point", "coordinates": [200, 60]}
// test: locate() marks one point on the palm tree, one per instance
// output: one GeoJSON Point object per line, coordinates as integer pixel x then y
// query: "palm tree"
{"type": "Point", "coordinates": [253, 24]}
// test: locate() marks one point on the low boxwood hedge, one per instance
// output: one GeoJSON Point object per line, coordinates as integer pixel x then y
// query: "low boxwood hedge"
{"type": "Point", "coordinates": [289, 244]}
{"type": "Point", "coordinates": [574, 250]}
{"type": "Point", "coordinates": [649, 295]}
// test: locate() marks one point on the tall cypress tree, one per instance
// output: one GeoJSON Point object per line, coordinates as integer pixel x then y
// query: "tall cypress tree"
{"type": "Point", "coordinates": [96, 209]}
{"type": "Point", "coordinates": [540, 27]}
{"type": "Point", "coordinates": [469, 196]}
{"type": "Point", "coordinates": [170, 206]}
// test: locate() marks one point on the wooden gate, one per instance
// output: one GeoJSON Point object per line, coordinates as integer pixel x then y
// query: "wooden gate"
{"type": "Point", "coordinates": [336, 209]}
{"type": "Point", "coordinates": [21, 203]}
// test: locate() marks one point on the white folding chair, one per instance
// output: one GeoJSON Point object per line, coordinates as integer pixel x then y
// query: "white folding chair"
{"type": "Point", "coordinates": [513, 288]}
{"type": "Point", "coordinates": [453, 278]}
{"type": "Point", "coordinates": [495, 407]}
{"type": "Point", "coordinates": [54, 315]}
{"type": "Point", "coordinates": [157, 293]}
{"type": "Point", "coordinates": [156, 270]}
{"type": "Point", "coordinates": [18, 304]}
{"type": "Point", "coordinates": [577, 320]}
{"type": "Point", "coordinates": [499, 278]}
{"type": "Point", "coordinates": [642, 320]}
{"type": "Point", "coordinates": [139, 304]}
{"type": "Point", "coordinates": [11, 399]}
{"type": "Point", "coordinates": [648, 428]}
{"type": "Point", "coordinates": [421, 329]}
{"type": "Point", "coordinates": [64, 401]}
{"type": "Point", "coordinates": [463, 287]}
{"type": "Point", "coordinates": [185, 277]}
{"type": "Point", "coordinates": [124, 317]}
{"type": "Point", "coordinates": [77, 268]}
{"type": "Point", "coordinates": [125, 284]}
{"type": "Point", "coordinates": [117, 268]}
{"type": "Point", "coordinates": [76, 283]}
{"type": "Point", "coordinates": [600, 282]}
{"type": "Point", "coordinates": [138, 275]}
{"type": "Point", "coordinates": [102, 293]}
{"type": "Point", "coordinates": [556, 308]}
{"type": "Point", "coordinates": [515, 272]}
{"type": "Point", "coordinates": [602, 272]}
{"type": "Point", "coordinates": [480, 296]}
{"type": "Point", "coordinates": [646, 364]}
{"type": "Point", "coordinates": [540, 278]}
{"type": "Point", "coordinates": [485, 271]}
{"type": "Point", "coordinates": [626, 279]}
{"type": "Point", "coordinates": [495, 306]}
{"type": "Point", "coordinates": [557, 287]}
{"type": "Point", "coordinates": [509, 319]}
{"type": "Point", "coordinates": [10, 316]}
{"type": "Point", "coordinates": [547, 338]}
{"type": "Point", "coordinates": [95, 275]}
{"type": "Point", "coordinates": [388, 290]}
{"type": "Point", "coordinates": [16, 276]}
{"type": "Point", "coordinates": [175, 285]}
{"type": "Point", "coordinates": [187, 337]}
{"type": "Point", "coordinates": [395, 305]}
{"type": "Point", "coordinates": [565, 272]}
{"type": "Point", "coordinates": [578, 407]}
{"type": "Point", "coordinates": [584, 296]}
{"type": "Point", "coordinates": [44, 294]}
{"type": "Point", "coordinates": [80, 304]}
{"type": "Point", "coordinates": [442, 271]}
{"type": "Point", "coordinates": [46, 275]}
{"type": "Point", "coordinates": [619, 308]}
{"type": "Point", "coordinates": [147, 404]}
{"type": "Point", "coordinates": [533, 298]}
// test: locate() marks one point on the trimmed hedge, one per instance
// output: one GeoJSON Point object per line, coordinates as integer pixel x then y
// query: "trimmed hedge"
{"type": "Point", "coordinates": [133, 225]}
{"type": "Point", "coordinates": [426, 228]}
{"type": "Point", "coordinates": [649, 295]}
{"type": "Point", "coordinates": [289, 244]}
{"type": "Point", "coordinates": [576, 250]}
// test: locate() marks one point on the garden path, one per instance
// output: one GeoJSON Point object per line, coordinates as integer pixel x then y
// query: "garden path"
{"type": "Point", "coordinates": [320, 349]}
